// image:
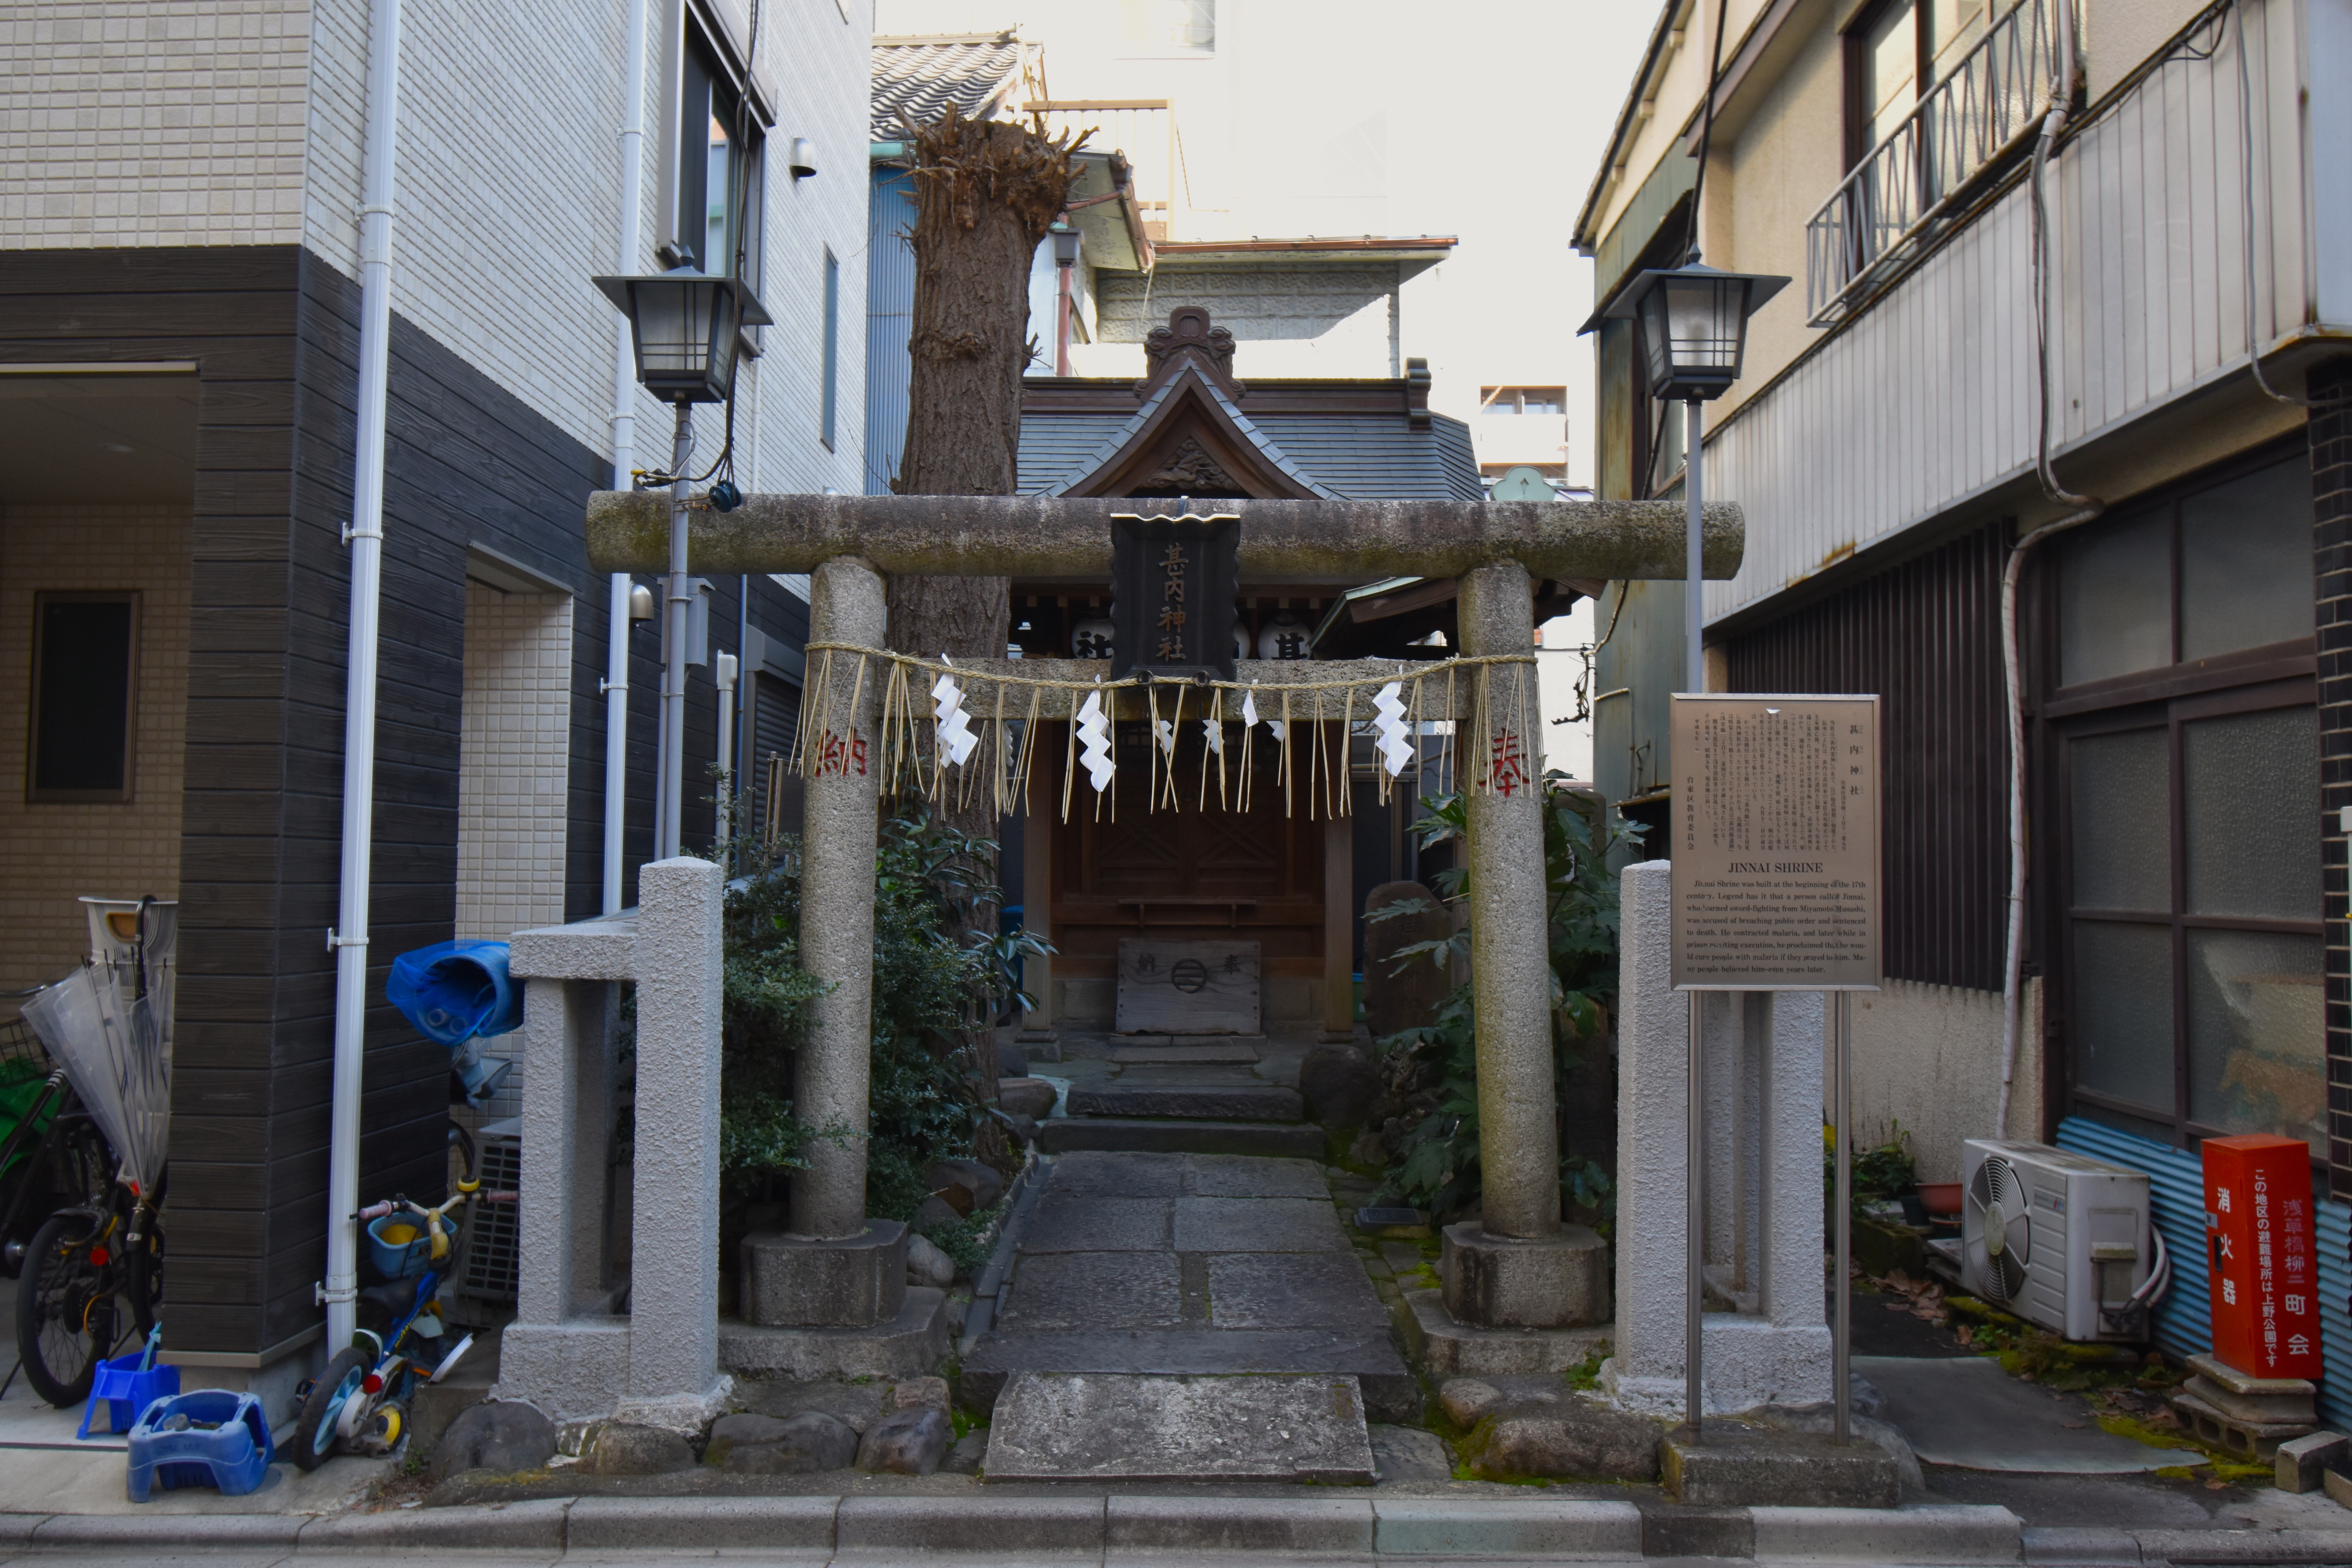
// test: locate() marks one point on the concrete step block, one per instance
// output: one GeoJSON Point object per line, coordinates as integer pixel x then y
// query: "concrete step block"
{"type": "Point", "coordinates": [1731, 1466]}
{"type": "Point", "coordinates": [1130, 1426]}
{"type": "Point", "coordinates": [1277, 1140]}
{"type": "Point", "coordinates": [1390, 1392]}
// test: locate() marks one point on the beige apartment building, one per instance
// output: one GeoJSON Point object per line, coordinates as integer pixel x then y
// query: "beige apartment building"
{"type": "Point", "coordinates": [2182, 699]}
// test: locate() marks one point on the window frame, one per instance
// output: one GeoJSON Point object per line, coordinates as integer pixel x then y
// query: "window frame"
{"type": "Point", "coordinates": [705, 53]}
{"type": "Point", "coordinates": [35, 794]}
{"type": "Point", "coordinates": [2265, 677]}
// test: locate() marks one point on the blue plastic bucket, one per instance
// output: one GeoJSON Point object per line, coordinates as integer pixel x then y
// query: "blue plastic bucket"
{"type": "Point", "coordinates": [454, 991]}
{"type": "Point", "coordinates": [393, 1256]}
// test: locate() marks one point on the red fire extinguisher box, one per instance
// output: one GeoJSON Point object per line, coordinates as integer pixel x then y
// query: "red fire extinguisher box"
{"type": "Point", "coordinates": [2265, 1267]}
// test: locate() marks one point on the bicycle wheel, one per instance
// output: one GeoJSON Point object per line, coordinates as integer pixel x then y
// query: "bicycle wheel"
{"type": "Point", "coordinates": [64, 1318]}
{"type": "Point", "coordinates": [314, 1429]}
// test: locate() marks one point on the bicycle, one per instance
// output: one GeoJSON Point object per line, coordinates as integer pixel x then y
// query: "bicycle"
{"type": "Point", "coordinates": [361, 1401]}
{"type": "Point", "coordinates": [91, 1276]}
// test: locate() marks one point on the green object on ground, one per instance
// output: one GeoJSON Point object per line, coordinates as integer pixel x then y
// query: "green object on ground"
{"type": "Point", "coordinates": [21, 1082]}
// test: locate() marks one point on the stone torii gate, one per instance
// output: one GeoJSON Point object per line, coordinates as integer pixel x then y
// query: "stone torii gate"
{"type": "Point", "coordinates": [838, 1271]}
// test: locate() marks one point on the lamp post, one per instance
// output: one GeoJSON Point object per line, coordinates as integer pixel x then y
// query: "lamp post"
{"type": "Point", "coordinates": [1694, 325]}
{"type": "Point", "coordinates": [686, 327]}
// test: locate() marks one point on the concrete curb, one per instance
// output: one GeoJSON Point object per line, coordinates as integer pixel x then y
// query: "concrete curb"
{"type": "Point", "coordinates": [1184, 1529]}
{"type": "Point", "coordinates": [1917, 1534]}
{"type": "Point", "coordinates": [1438, 1527]}
{"type": "Point", "coordinates": [688, 1524]}
{"type": "Point", "coordinates": [1237, 1524]}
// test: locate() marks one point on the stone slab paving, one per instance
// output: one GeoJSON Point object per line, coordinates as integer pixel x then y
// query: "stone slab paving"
{"type": "Point", "coordinates": [1054, 1425]}
{"type": "Point", "coordinates": [1187, 1265]}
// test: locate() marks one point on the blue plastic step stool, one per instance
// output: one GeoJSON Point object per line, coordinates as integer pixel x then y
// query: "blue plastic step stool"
{"type": "Point", "coordinates": [125, 1390]}
{"type": "Point", "coordinates": [233, 1456]}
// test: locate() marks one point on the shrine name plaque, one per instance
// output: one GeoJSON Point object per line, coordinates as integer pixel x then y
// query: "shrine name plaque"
{"type": "Point", "coordinates": [1775, 851]}
{"type": "Point", "coordinates": [1173, 579]}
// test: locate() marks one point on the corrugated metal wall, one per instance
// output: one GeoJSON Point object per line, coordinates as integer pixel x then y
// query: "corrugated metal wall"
{"type": "Point", "coordinates": [2184, 1318]}
{"type": "Point", "coordinates": [1928, 398]}
{"type": "Point", "coordinates": [889, 320]}
{"type": "Point", "coordinates": [1925, 636]}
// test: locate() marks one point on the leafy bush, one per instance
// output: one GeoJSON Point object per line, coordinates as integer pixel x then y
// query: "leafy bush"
{"type": "Point", "coordinates": [931, 984]}
{"type": "Point", "coordinates": [1436, 1168]}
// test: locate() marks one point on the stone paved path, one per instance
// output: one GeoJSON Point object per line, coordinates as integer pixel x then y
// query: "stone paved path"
{"type": "Point", "coordinates": [1191, 1263]}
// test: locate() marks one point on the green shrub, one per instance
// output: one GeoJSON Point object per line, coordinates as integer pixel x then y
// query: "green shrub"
{"type": "Point", "coordinates": [1437, 1166]}
{"type": "Point", "coordinates": [939, 970]}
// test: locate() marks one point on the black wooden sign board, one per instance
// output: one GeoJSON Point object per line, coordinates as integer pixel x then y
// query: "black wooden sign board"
{"type": "Point", "coordinates": [1173, 579]}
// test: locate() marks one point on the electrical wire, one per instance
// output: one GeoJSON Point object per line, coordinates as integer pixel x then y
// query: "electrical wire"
{"type": "Point", "coordinates": [1706, 132]}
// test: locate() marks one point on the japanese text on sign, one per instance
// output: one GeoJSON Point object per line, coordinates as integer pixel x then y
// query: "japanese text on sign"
{"type": "Point", "coordinates": [1775, 849]}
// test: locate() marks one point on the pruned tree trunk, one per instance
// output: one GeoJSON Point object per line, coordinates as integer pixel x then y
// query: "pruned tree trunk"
{"type": "Point", "coordinates": [987, 191]}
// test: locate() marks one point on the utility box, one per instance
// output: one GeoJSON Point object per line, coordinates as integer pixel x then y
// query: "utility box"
{"type": "Point", "coordinates": [2264, 1266]}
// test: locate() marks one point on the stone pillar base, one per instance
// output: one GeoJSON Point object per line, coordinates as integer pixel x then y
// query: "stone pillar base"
{"type": "Point", "coordinates": [908, 1345]}
{"type": "Point", "coordinates": [1498, 1282]}
{"type": "Point", "coordinates": [804, 1281]}
{"type": "Point", "coordinates": [1443, 1348]}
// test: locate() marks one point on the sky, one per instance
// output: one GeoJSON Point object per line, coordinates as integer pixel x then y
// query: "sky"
{"type": "Point", "coordinates": [1483, 120]}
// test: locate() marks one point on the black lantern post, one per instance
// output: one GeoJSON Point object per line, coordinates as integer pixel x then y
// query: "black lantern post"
{"type": "Point", "coordinates": [1694, 323]}
{"type": "Point", "coordinates": [687, 329]}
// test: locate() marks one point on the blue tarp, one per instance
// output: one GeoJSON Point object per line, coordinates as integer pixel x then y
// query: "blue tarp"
{"type": "Point", "coordinates": [454, 991]}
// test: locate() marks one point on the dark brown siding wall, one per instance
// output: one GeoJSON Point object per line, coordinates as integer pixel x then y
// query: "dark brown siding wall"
{"type": "Point", "coordinates": [275, 334]}
{"type": "Point", "coordinates": [2330, 435]}
{"type": "Point", "coordinates": [1924, 634]}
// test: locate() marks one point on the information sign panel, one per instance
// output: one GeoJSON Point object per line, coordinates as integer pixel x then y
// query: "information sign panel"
{"type": "Point", "coordinates": [1775, 868]}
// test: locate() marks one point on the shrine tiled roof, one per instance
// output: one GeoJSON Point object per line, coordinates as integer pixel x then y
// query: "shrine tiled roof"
{"type": "Point", "coordinates": [920, 76]}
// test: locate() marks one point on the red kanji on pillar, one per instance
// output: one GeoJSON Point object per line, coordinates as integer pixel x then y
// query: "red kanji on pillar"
{"type": "Point", "coordinates": [2265, 1269]}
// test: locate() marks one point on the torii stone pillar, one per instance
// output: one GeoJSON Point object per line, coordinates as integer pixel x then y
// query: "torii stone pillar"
{"type": "Point", "coordinates": [836, 1268]}
{"type": "Point", "coordinates": [1518, 1268]}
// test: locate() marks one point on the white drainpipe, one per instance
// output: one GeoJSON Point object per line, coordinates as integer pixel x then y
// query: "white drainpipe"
{"type": "Point", "coordinates": [624, 442]}
{"type": "Point", "coordinates": [365, 537]}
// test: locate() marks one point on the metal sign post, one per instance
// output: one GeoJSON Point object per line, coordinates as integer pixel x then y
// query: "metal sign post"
{"type": "Point", "coordinates": [1776, 887]}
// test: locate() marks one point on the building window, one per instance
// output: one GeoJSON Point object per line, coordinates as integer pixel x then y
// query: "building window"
{"type": "Point", "coordinates": [85, 673]}
{"type": "Point", "coordinates": [1544, 400]}
{"type": "Point", "coordinates": [2187, 745]}
{"type": "Point", "coordinates": [832, 350]}
{"type": "Point", "coordinates": [1894, 53]}
{"type": "Point", "coordinates": [719, 167]}
{"type": "Point", "coordinates": [1169, 27]}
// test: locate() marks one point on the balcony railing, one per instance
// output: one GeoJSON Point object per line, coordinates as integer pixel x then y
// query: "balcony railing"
{"type": "Point", "coordinates": [1905, 189]}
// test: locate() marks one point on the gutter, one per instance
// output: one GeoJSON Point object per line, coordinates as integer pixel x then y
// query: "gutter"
{"type": "Point", "coordinates": [349, 940]}
{"type": "Point", "coordinates": [625, 441]}
{"type": "Point", "coordinates": [1661, 40]}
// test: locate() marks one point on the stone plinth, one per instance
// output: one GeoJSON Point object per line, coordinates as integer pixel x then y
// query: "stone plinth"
{"type": "Point", "coordinates": [909, 1344]}
{"type": "Point", "coordinates": [1445, 1348]}
{"type": "Point", "coordinates": [1558, 1282]}
{"type": "Point", "coordinates": [802, 1281]}
{"type": "Point", "coordinates": [1734, 1467]}
{"type": "Point", "coordinates": [1763, 1171]}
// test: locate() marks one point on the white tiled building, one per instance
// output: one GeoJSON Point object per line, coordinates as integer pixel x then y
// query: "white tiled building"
{"type": "Point", "coordinates": [180, 186]}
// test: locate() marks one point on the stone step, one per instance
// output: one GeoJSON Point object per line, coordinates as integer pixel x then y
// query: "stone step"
{"type": "Point", "coordinates": [1390, 1391]}
{"type": "Point", "coordinates": [1088, 1426]}
{"type": "Point", "coordinates": [1272, 1140]}
{"type": "Point", "coordinates": [1190, 1102]}
{"type": "Point", "coordinates": [1233, 1048]}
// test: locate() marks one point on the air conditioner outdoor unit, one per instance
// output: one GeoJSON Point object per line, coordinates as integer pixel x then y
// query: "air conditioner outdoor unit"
{"type": "Point", "coordinates": [2064, 1242]}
